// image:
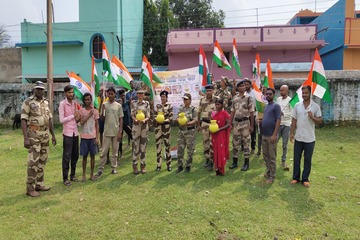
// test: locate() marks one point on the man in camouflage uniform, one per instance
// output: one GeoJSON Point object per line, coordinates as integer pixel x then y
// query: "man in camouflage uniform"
{"type": "Point", "coordinates": [251, 92]}
{"type": "Point", "coordinates": [187, 134]}
{"type": "Point", "coordinates": [36, 121]}
{"type": "Point", "coordinates": [206, 107]}
{"type": "Point", "coordinates": [242, 119]}
{"type": "Point", "coordinates": [152, 113]}
{"type": "Point", "coordinates": [223, 93]}
{"type": "Point", "coordinates": [140, 131]}
{"type": "Point", "coordinates": [162, 130]}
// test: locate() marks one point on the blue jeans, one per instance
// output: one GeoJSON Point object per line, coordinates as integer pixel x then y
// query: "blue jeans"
{"type": "Point", "coordinates": [308, 149]}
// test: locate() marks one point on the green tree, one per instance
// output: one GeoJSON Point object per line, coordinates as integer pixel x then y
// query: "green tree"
{"type": "Point", "coordinates": [196, 14]}
{"type": "Point", "coordinates": [165, 23]}
{"type": "Point", "coordinates": [150, 26]}
{"type": "Point", "coordinates": [162, 15]}
{"type": "Point", "coordinates": [4, 37]}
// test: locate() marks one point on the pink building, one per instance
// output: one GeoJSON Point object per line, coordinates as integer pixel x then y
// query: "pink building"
{"type": "Point", "coordinates": [289, 48]}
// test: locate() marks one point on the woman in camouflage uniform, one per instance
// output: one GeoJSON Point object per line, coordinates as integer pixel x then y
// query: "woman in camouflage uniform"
{"type": "Point", "coordinates": [162, 130]}
{"type": "Point", "coordinates": [187, 134]}
{"type": "Point", "coordinates": [140, 131]}
{"type": "Point", "coordinates": [223, 93]}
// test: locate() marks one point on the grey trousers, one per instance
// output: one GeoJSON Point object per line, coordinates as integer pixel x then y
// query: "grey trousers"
{"type": "Point", "coordinates": [284, 132]}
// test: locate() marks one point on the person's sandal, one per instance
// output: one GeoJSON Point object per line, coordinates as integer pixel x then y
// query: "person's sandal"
{"type": "Point", "coordinates": [293, 182]}
{"type": "Point", "coordinates": [306, 184]}
{"type": "Point", "coordinates": [67, 183]}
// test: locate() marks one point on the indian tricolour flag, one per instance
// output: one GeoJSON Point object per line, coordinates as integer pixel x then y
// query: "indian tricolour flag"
{"type": "Point", "coordinates": [80, 86]}
{"type": "Point", "coordinates": [155, 78]}
{"type": "Point", "coordinates": [256, 71]}
{"type": "Point", "coordinates": [95, 83]}
{"type": "Point", "coordinates": [106, 63]}
{"type": "Point", "coordinates": [146, 76]}
{"type": "Point", "coordinates": [203, 69]}
{"type": "Point", "coordinates": [298, 94]}
{"type": "Point", "coordinates": [120, 73]}
{"type": "Point", "coordinates": [268, 81]}
{"type": "Point", "coordinates": [219, 57]}
{"type": "Point", "coordinates": [235, 59]}
{"type": "Point", "coordinates": [320, 85]}
{"type": "Point", "coordinates": [317, 80]}
{"type": "Point", "coordinates": [260, 99]}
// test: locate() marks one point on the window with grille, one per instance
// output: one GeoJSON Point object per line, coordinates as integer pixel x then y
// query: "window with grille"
{"type": "Point", "coordinates": [96, 46]}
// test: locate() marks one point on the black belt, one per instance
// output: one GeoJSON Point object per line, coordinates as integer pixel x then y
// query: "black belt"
{"type": "Point", "coordinates": [188, 128]}
{"type": "Point", "coordinates": [241, 119]}
{"type": "Point", "coordinates": [207, 120]}
{"type": "Point", "coordinates": [164, 123]}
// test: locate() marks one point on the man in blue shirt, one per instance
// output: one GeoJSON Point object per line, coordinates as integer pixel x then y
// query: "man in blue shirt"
{"type": "Point", "coordinates": [269, 128]}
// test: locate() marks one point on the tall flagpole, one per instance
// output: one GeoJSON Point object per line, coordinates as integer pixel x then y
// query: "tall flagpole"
{"type": "Point", "coordinates": [49, 50]}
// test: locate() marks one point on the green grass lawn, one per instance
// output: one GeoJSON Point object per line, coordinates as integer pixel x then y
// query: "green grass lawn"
{"type": "Point", "coordinates": [195, 205]}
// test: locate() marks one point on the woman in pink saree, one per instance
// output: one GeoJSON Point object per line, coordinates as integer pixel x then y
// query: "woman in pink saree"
{"type": "Point", "coordinates": [220, 139]}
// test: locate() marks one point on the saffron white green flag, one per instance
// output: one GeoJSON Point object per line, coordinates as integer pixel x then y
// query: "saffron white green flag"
{"type": "Point", "coordinates": [80, 86]}
{"type": "Point", "coordinates": [146, 76]}
{"type": "Point", "coordinates": [154, 76]}
{"type": "Point", "coordinates": [257, 72]}
{"type": "Point", "coordinates": [316, 80]}
{"type": "Point", "coordinates": [320, 87]}
{"type": "Point", "coordinates": [95, 84]}
{"type": "Point", "coordinates": [120, 73]}
{"type": "Point", "coordinates": [106, 63]}
{"type": "Point", "coordinates": [219, 57]}
{"type": "Point", "coordinates": [268, 80]}
{"type": "Point", "coordinates": [235, 59]}
{"type": "Point", "coordinates": [203, 69]}
{"type": "Point", "coordinates": [298, 94]}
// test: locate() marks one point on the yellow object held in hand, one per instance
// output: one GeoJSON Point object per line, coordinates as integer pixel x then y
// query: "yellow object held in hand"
{"type": "Point", "coordinates": [213, 127]}
{"type": "Point", "coordinates": [140, 115]}
{"type": "Point", "coordinates": [160, 118]}
{"type": "Point", "coordinates": [182, 119]}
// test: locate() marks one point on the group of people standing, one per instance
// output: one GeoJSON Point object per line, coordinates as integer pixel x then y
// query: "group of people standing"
{"type": "Point", "coordinates": [232, 111]}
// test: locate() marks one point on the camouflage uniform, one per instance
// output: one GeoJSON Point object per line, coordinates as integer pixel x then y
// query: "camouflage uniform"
{"type": "Point", "coordinates": [152, 113]}
{"type": "Point", "coordinates": [186, 136]}
{"type": "Point", "coordinates": [162, 132]}
{"type": "Point", "coordinates": [206, 107]}
{"type": "Point", "coordinates": [139, 132]}
{"type": "Point", "coordinates": [224, 94]}
{"type": "Point", "coordinates": [37, 114]}
{"type": "Point", "coordinates": [242, 106]}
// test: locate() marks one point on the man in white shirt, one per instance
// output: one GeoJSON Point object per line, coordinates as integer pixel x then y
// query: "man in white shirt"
{"type": "Point", "coordinates": [284, 130]}
{"type": "Point", "coordinates": [304, 117]}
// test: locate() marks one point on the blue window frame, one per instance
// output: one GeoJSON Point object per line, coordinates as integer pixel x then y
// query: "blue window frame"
{"type": "Point", "coordinates": [96, 46]}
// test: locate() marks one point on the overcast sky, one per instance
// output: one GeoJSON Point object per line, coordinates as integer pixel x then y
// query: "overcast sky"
{"type": "Point", "coordinates": [239, 13]}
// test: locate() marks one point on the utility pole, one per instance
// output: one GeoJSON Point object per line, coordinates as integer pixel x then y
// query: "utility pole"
{"type": "Point", "coordinates": [49, 51]}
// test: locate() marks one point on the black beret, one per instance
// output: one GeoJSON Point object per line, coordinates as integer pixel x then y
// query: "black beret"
{"type": "Point", "coordinates": [166, 93]}
{"type": "Point", "coordinates": [241, 82]}
{"type": "Point", "coordinates": [209, 86]}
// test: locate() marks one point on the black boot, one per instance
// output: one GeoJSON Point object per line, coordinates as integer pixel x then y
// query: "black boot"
{"type": "Point", "coordinates": [210, 166]}
{"type": "Point", "coordinates": [245, 167]}
{"type": "Point", "coordinates": [234, 164]}
{"type": "Point", "coordinates": [206, 163]}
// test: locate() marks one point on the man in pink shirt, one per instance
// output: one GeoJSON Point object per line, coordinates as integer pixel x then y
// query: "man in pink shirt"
{"type": "Point", "coordinates": [69, 117]}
